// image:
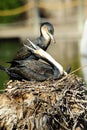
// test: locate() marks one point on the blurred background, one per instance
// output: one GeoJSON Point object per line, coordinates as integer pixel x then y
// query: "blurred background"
{"type": "Point", "coordinates": [20, 19]}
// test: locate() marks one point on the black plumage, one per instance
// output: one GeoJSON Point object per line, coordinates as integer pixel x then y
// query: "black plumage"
{"type": "Point", "coordinates": [43, 41]}
{"type": "Point", "coordinates": [29, 70]}
{"type": "Point", "coordinates": [35, 69]}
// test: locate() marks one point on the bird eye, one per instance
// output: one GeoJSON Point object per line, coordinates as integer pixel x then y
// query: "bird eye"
{"type": "Point", "coordinates": [50, 30]}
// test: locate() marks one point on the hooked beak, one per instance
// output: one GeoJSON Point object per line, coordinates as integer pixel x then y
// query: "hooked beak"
{"type": "Point", "coordinates": [52, 38]}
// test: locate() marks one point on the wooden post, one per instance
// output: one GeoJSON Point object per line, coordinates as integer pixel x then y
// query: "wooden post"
{"type": "Point", "coordinates": [36, 18]}
{"type": "Point", "coordinates": [33, 17]}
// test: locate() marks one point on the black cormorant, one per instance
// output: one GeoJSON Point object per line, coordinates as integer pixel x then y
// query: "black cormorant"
{"type": "Point", "coordinates": [43, 41]}
{"type": "Point", "coordinates": [35, 69]}
{"type": "Point", "coordinates": [29, 70]}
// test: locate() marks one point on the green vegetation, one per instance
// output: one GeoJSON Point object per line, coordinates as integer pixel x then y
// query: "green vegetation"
{"type": "Point", "coordinates": [7, 5]}
{"type": "Point", "coordinates": [8, 48]}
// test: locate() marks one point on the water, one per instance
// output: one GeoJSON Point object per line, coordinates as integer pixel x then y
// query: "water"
{"type": "Point", "coordinates": [65, 52]}
{"type": "Point", "coordinates": [8, 49]}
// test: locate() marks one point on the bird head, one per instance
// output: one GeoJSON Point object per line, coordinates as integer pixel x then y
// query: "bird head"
{"type": "Point", "coordinates": [47, 31]}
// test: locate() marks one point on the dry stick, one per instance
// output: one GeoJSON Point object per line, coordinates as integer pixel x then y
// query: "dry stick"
{"type": "Point", "coordinates": [54, 109]}
{"type": "Point", "coordinates": [78, 69]}
{"type": "Point", "coordinates": [81, 67]}
{"type": "Point", "coordinates": [75, 123]}
{"type": "Point", "coordinates": [60, 123]}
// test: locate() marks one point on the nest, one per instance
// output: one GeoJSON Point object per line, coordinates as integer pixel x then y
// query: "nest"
{"type": "Point", "coordinates": [49, 105]}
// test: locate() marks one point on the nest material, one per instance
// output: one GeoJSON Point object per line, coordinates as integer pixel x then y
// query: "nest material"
{"type": "Point", "coordinates": [48, 105]}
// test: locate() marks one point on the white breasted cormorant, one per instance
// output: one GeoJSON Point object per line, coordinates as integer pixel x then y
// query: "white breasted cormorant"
{"type": "Point", "coordinates": [43, 41]}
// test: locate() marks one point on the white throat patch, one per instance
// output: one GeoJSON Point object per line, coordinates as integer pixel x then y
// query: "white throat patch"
{"type": "Point", "coordinates": [47, 37]}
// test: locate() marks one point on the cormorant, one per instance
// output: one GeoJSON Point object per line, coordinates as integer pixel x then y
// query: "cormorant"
{"type": "Point", "coordinates": [29, 70]}
{"type": "Point", "coordinates": [43, 41]}
{"type": "Point", "coordinates": [35, 69]}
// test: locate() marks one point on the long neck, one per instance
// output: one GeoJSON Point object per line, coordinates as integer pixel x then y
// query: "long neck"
{"type": "Point", "coordinates": [45, 35]}
{"type": "Point", "coordinates": [46, 38]}
{"type": "Point", "coordinates": [45, 42]}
